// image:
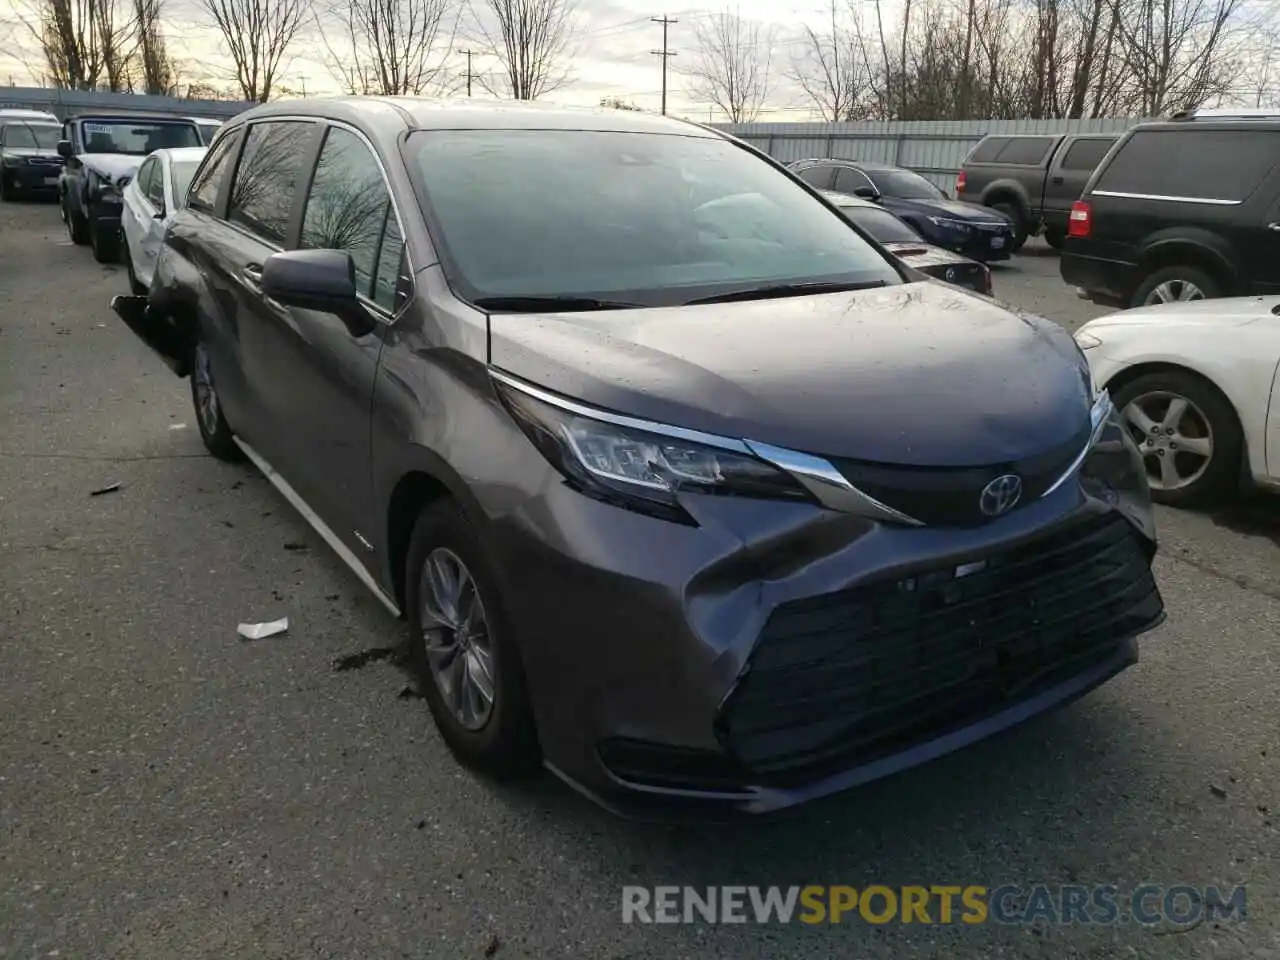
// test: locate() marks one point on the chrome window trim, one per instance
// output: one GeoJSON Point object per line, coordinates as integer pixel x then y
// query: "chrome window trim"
{"type": "Point", "coordinates": [815, 474]}
{"type": "Point", "coordinates": [1102, 410]}
{"type": "Point", "coordinates": [1207, 201]}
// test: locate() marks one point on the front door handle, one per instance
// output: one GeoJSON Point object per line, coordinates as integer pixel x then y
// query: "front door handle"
{"type": "Point", "coordinates": [252, 274]}
{"type": "Point", "coordinates": [1056, 180]}
{"type": "Point", "coordinates": [1274, 225]}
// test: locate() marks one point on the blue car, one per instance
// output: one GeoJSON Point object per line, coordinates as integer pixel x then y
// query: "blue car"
{"type": "Point", "coordinates": [977, 232]}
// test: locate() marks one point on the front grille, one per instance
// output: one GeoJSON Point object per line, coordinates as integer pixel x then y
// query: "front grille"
{"type": "Point", "coordinates": [950, 496]}
{"type": "Point", "coordinates": [845, 678]}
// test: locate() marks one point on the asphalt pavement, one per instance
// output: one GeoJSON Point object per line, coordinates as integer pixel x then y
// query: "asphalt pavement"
{"type": "Point", "coordinates": [168, 790]}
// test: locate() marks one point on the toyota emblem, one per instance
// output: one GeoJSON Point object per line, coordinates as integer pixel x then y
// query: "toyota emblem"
{"type": "Point", "coordinates": [1000, 495]}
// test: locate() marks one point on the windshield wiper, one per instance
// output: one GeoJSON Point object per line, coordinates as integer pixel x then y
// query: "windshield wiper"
{"type": "Point", "coordinates": [786, 290]}
{"type": "Point", "coordinates": [538, 304]}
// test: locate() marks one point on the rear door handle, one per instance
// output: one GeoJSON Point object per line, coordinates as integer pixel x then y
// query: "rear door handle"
{"type": "Point", "coordinates": [1056, 180]}
{"type": "Point", "coordinates": [1274, 225]}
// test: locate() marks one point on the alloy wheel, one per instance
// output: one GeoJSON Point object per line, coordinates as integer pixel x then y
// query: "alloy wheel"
{"type": "Point", "coordinates": [206, 395]}
{"type": "Point", "coordinates": [1174, 291]}
{"type": "Point", "coordinates": [1174, 437]}
{"type": "Point", "coordinates": [456, 639]}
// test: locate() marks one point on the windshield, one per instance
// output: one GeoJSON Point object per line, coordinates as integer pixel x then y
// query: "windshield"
{"type": "Point", "coordinates": [904, 185]}
{"type": "Point", "coordinates": [881, 224]}
{"type": "Point", "coordinates": [137, 138]}
{"type": "Point", "coordinates": [183, 171]}
{"type": "Point", "coordinates": [32, 135]}
{"type": "Point", "coordinates": [652, 219]}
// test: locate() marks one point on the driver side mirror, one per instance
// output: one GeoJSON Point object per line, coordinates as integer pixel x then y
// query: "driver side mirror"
{"type": "Point", "coordinates": [65, 150]}
{"type": "Point", "coordinates": [866, 193]}
{"type": "Point", "coordinates": [320, 280]}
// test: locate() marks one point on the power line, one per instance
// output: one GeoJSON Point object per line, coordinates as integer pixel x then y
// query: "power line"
{"type": "Point", "coordinates": [664, 54]}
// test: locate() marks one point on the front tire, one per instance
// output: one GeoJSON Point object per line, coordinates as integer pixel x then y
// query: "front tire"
{"type": "Point", "coordinates": [77, 225]}
{"type": "Point", "coordinates": [1188, 433]}
{"type": "Point", "coordinates": [463, 647]}
{"type": "Point", "coordinates": [1055, 237]}
{"type": "Point", "coordinates": [214, 429]}
{"type": "Point", "coordinates": [8, 190]}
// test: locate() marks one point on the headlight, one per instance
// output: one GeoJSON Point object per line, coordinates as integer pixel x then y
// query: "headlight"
{"type": "Point", "coordinates": [1087, 341]}
{"type": "Point", "coordinates": [948, 224]}
{"type": "Point", "coordinates": [618, 460]}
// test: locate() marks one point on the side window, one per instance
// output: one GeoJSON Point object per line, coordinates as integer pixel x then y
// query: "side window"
{"type": "Point", "coordinates": [204, 190]}
{"type": "Point", "coordinates": [1025, 150]}
{"type": "Point", "coordinates": [266, 179]}
{"type": "Point", "coordinates": [1192, 164]}
{"type": "Point", "coordinates": [987, 150]}
{"type": "Point", "coordinates": [847, 181]}
{"type": "Point", "coordinates": [349, 207]}
{"type": "Point", "coordinates": [143, 176]}
{"type": "Point", "coordinates": [818, 177]}
{"type": "Point", "coordinates": [155, 185]}
{"type": "Point", "coordinates": [386, 279]}
{"type": "Point", "coordinates": [1086, 154]}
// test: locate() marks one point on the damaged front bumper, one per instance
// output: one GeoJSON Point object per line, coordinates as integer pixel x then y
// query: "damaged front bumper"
{"type": "Point", "coordinates": [157, 328]}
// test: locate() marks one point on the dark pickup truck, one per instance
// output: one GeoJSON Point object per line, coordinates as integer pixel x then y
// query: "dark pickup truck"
{"type": "Point", "coordinates": [1033, 180]}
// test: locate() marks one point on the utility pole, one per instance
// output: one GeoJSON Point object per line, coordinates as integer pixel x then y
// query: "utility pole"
{"type": "Point", "coordinates": [469, 55]}
{"type": "Point", "coordinates": [665, 54]}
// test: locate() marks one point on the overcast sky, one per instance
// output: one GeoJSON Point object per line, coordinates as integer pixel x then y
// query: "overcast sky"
{"type": "Point", "coordinates": [613, 43]}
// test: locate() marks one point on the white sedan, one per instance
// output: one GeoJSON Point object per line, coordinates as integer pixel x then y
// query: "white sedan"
{"type": "Point", "coordinates": [1199, 385]}
{"type": "Point", "coordinates": [150, 199]}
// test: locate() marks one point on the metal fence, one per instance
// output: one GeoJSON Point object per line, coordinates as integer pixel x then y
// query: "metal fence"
{"type": "Point", "coordinates": [68, 103]}
{"type": "Point", "coordinates": [934, 149]}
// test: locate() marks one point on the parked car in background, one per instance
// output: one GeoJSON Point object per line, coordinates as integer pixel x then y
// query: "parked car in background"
{"type": "Point", "coordinates": [29, 161]}
{"type": "Point", "coordinates": [1182, 209]}
{"type": "Point", "coordinates": [717, 513]}
{"type": "Point", "coordinates": [208, 126]}
{"type": "Point", "coordinates": [1032, 180]}
{"type": "Point", "coordinates": [1198, 385]}
{"type": "Point", "coordinates": [102, 151]}
{"type": "Point", "coordinates": [36, 116]}
{"type": "Point", "coordinates": [979, 233]}
{"type": "Point", "coordinates": [892, 233]}
{"type": "Point", "coordinates": [151, 199]}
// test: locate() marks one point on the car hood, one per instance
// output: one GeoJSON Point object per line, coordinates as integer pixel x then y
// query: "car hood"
{"type": "Point", "coordinates": [952, 209]}
{"type": "Point", "coordinates": [113, 166]}
{"type": "Point", "coordinates": [1226, 312]}
{"type": "Point", "coordinates": [925, 254]}
{"type": "Point", "coordinates": [32, 152]}
{"type": "Point", "coordinates": [917, 374]}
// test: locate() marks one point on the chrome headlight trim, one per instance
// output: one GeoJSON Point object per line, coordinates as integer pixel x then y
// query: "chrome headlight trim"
{"type": "Point", "coordinates": [1101, 412]}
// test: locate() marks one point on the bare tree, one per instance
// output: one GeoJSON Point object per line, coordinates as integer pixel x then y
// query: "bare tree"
{"type": "Point", "coordinates": [532, 40]}
{"type": "Point", "coordinates": [84, 43]}
{"type": "Point", "coordinates": [258, 34]}
{"type": "Point", "coordinates": [832, 68]}
{"type": "Point", "coordinates": [158, 74]}
{"type": "Point", "coordinates": [732, 64]}
{"type": "Point", "coordinates": [391, 47]}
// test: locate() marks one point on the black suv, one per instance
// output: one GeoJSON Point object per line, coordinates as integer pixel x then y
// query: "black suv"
{"type": "Point", "coordinates": [29, 161]}
{"type": "Point", "coordinates": [102, 151]}
{"type": "Point", "coordinates": [1181, 209]}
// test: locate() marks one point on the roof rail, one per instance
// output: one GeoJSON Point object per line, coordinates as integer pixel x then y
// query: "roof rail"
{"type": "Point", "coordinates": [1228, 113]}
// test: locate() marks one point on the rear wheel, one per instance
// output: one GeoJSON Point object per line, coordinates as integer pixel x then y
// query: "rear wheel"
{"type": "Point", "coordinates": [1188, 434]}
{"type": "Point", "coordinates": [1055, 237]}
{"type": "Point", "coordinates": [1014, 213]}
{"type": "Point", "coordinates": [1175, 284]}
{"type": "Point", "coordinates": [214, 430]}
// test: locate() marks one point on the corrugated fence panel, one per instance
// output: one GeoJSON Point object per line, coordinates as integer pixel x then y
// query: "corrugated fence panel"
{"type": "Point", "coordinates": [934, 149]}
{"type": "Point", "coordinates": [67, 103]}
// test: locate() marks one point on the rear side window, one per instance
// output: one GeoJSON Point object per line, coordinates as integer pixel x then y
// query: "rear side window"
{"type": "Point", "coordinates": [1192, 164]}
{"type": "Point", "coordinates": [849, 180]}
{"type": "Point", "coordinates": [987, 150]}
{"type": "Point", "coordinates": [1025, 150]}
{"type": "Point", "coordinates": [819, 177]}
{"type": "Point", "coordinates": [155, 184]}
{"type": "Point", "coordinates": [204, 189]}
{"type": "Point", "coordinates": [1086, 154]}
{"type": "Point", "coordinates": [267, 177]}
